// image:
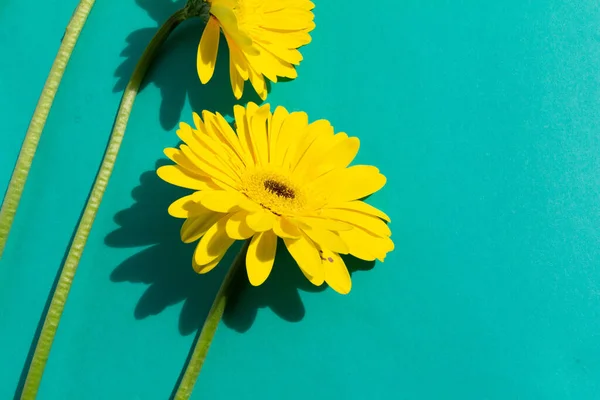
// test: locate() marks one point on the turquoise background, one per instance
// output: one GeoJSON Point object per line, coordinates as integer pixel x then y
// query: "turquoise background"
{"type": "Point", "coordinates": [483, 115]}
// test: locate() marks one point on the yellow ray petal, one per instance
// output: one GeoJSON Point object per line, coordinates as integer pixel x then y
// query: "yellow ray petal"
{"type": "Point", "coordinates": [178, 176]}
{"type": "Point", "coordinates": [223, 152]}
{"type": "Point", "coordinates": [237, 82]}
{"type": "Point", "coordinates": [260, 257]}
{"type": "Point", "coordinates": [326, 239]}
{"type": "Point", "coordinates": [184, 207]}
{"type": "Point", "coordinates": [292, 128]}
{"type": "Point", "coordinates": [203, 269]}
{"type": "Point", "coordinates": [189, 168]}
{"type": "Point", "coordinates": [336, 273]}
{"type": "Point", "coordinates": [340, 155]}
{"type": "Point", "coordinates": [259, 133]}
{"type": "Point", "coordinates": [362, 207]}
{"type": "Point", "coordinates": [290, 20]}
{"type": "Point", "coordinates": [229, 23]}
{"type": "Point", "coordinates": [279, 115]}
{"type": "Point", "coordinates": [214, 149]}
{"type": "Point", "coordinates": [279, 5]}
{"type": "Point", "coordinates": [208, 162]}
{"type": "Point", "coordinates": [311, 149]}
{"type": "Point", "coordinates": [207, 50]}
{"type": "Point", "coordinates": [222, 201]}
{"type": "Point", "coordinates": [258, 82]}
{"type": "Point", "coordinates": [365, 221]}
{"type": "Point", "coordinates": [194, 227]}
{"type": "Point", "coordinates": [290, 40]}
{"type": "Point", "coordinates": [214, 243]}
{"type": "Point", "coordinates": [307, 256]}
{"type": "Point", "coordinates": [284, 228]}
{"type": "Point", "coordinates": [322, 222]}
{"type": "Point", "coordinates": [237, 228]}
{"type": "Point", "coordinates": [237, 58]}
{"type": "Point", "coordinates": [365, 246]}
{"type": "Point", "coordinates": [347, 184]}
{"type": "Point", "coordinates": [244, 135]}
{"type": "Point", "coordinates": [261, 221]}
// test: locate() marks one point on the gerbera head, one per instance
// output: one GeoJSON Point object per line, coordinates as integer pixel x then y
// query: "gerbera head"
{"type": "Point", "coordinates": [263, 38]}
{"type": "Point", "coordinates": [277, 176]}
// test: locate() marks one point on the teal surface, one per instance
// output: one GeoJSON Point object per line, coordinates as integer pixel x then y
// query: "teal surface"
{"type": "Point", "coordinates": [483, 115]}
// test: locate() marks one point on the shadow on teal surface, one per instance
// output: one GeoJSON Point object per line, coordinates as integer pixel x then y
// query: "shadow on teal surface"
{"type": "Point", "coordinates": [182, 80]}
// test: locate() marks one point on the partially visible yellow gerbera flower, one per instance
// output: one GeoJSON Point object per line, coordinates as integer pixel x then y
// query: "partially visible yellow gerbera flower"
{"type": "Point", "coordinates": [263, 38]}
{"type": "Point", "coordinates": [279, 176]}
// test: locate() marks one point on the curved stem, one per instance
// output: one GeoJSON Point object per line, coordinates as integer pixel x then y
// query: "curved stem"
{"type": "Point", "coordinates": [38, 120]}
{"type": "Point", "coordinates": [192, 370]}
{"type": "Point", "coordinates": [42, 350]}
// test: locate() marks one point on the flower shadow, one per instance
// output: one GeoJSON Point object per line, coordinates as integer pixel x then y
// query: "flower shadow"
{"type": "Point", "coordinates": [174, 69]}
{"type": "Point", "coordinates": [165, 266]}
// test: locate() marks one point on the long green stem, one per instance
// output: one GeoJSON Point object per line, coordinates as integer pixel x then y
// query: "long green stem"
{"type": "Point", "coordinates": [192, 370]}
{"type": "Point", "coordinates": [34, 131]}
{"type": "Point", "coordinates": [42, 350]}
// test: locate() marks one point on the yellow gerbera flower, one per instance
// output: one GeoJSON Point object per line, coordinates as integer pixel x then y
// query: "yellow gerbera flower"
{"type": "Point", "coordinates": [279, 176]}
{"type": "Point", "coordinates": [263, 38]}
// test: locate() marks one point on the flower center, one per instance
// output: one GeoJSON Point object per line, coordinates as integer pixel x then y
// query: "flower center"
{"type": "Point", "coordinates": [274, 191]}
{"type": "Point", "coordinates": [279, 189]}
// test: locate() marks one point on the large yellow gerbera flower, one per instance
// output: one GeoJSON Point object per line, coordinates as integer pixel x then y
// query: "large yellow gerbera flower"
{"type": "Point", "coordinates": [263, 38]}
{"type": "Point", "coordinates": [278, 177]}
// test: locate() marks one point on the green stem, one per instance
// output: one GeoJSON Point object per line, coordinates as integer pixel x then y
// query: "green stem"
{"type": "Point", "coordinates": [42, 350]}
{"type": "Point", "coordinates": [38, 120]}
{"type": "Point", "coordinates": [192, 370]}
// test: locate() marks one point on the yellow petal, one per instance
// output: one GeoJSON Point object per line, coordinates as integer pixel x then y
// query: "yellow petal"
{"type": "Point", "coordinates": [307, 256]}
{"type": "Point", "coordinates": [258, 126]}
{"type": "Point", "coordinates": [214, 243]}
{"type": "Point", "coordinates": [218, 200]}
{"type": "Point", "coordinates": [178, 176]}
{"type": "Point", "coordinates": [260, 257]}
{"type": "Point", "coordinates": [327, 240]}
{"type": "Point", "coordinates": [185, 133]}
{"type": "Point", "coordinates": [340, 155]}
{"type": "Point", "coordinates": [237, 228]}
{"type": "Point", "coordinates": [365, 246]}
{"type": "Point", "coordinates": [194, 227]}
{"type": "Point", "coordinates": [244, 135]}
{"type": "Point", "coordinates": [290, 20]}
{"type": "Point", "coordinates": [207, 50]}
{"type": "Point", "coordinates": [203, 269]}
{"type": "Point", "coordinates": [284, 228]}
{"type": "Point", "coordinates": [237, 58]}
{"type": "Point", "coordinates": [222, 129]}
{"type": "Point", "coordinates": [361, 206]}
{"type": "Point", "coordinates": [258, 82]}
{"type": "Point", "coordinates": [183, 207]}
{"type": "Point", "coordinates": [365, 221]}
{"type": "Point", "coordinates": [237, 83]}
{"type": "Point", "coordinates": [293, 127]}
{"type": "Point", "coordinates": [318, 134]}
{"type": "Point", "coordinates": [208, 163]}
{"type": "Point", "coordinates": [279, 115]}
{"type": "Point", "coordinates": [261, 220]}
{"type": "Point", "coordinates": [346, 184]}
{"type": "Point", "coordinates": [336, 273]}
{"type": "Point", "coordinates": [322, 222]}
{"type": "Point", "coordinates": [190, 169]}
{"type": "Point", "coordinates": [229, 23]}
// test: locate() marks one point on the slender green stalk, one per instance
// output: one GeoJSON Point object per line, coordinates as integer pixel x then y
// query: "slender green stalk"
{"type": "Point", "coordinates": [42, 350]}
{"type": "Point", "coordinates": [34, 131]}
{"type": "Point", "coordinates": [192, 370]}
